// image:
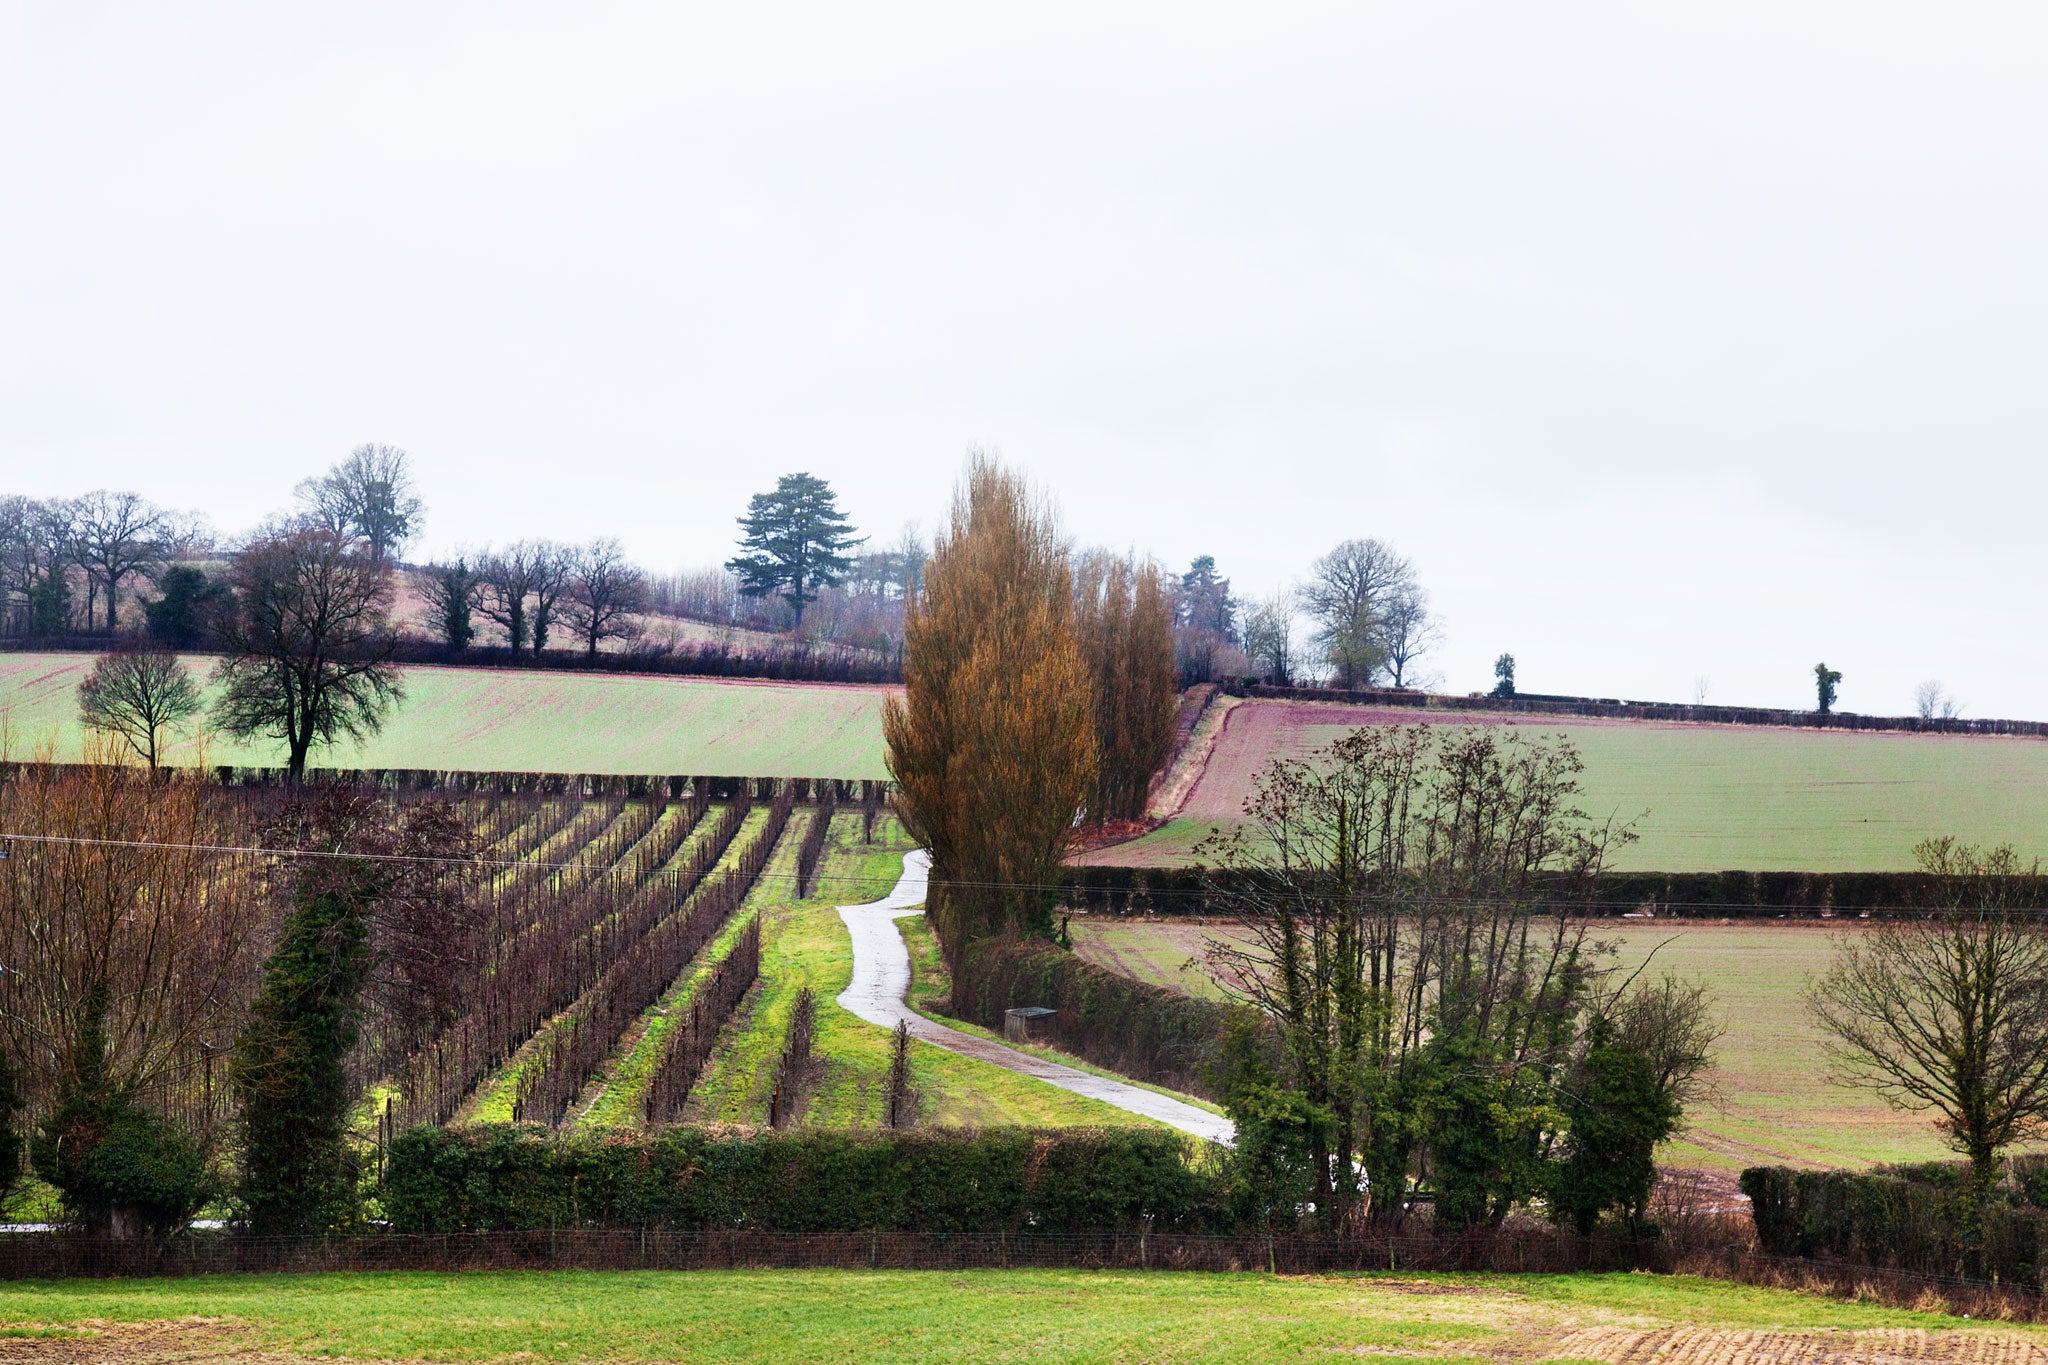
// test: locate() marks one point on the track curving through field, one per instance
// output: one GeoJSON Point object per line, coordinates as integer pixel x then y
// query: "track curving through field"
{"type": "Point", "coordinates": [881, 979]}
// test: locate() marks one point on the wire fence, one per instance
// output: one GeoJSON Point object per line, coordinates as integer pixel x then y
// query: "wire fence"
{"type": "Point", "coordinates": [1527, 1250]}
{"type": "Point", "coordinates": [59, 1256]}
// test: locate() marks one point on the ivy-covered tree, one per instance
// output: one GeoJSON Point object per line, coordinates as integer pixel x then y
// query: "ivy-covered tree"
{"type": "Point", "coordinates": [1825, 681]}
{"type": "Point", "coordinates": [794, 542]}
{"type": "Point", "coordinates": [181, 617]}
{"type": "Point", "coordinates": [376, 934]}
{"type": "Point", "coordinates": [1616, 1111]}
{"type": "Point", "coordinates": [1504, 676]}
{"type": "Point", "coordinates": [452, 592]}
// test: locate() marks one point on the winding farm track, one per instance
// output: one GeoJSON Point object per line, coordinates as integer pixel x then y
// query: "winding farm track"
{"type": "Point", "coordinates": [881, 978]}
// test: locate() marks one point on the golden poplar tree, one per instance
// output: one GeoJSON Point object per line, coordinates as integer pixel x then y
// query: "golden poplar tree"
{"type": "Point", "coordinates": [1126, 630]}
{"type": "Point", "coordinates": [993, 743]}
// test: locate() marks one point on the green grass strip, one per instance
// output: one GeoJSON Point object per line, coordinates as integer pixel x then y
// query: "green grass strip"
{"type": "Point", "coordinates": [955, 1316]}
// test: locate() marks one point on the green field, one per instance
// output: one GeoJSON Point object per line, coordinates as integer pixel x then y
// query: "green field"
{"type": "Point", "coordinates": [498, 720]}
{"type": "Point", "coordinates": [1700, 797]}
{"type": "Point", "coordinates": [916, 1316]}
{"type": "Point", "coordinates": [1774, 1104]}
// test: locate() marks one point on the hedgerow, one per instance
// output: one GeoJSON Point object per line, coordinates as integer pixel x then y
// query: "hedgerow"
{"type": "Point", "coordinates": [936, 1181]}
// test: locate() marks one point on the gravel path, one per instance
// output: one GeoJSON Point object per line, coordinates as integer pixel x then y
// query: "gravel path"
{"type": "Point", "coordinates": [881, 978]}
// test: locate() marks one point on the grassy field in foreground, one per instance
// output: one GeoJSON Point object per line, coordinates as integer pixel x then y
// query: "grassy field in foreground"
{"type": "Point", "coordinates": [1702, 797]}
{"type": "Point", "coordinates": [974, 1316]}
{"type": "Point", "coordinates": [805, 942]}
{"type": "Point", "coordinates": [507, 720]}
{"type": "Point", "coordinates": [1775, 1103]}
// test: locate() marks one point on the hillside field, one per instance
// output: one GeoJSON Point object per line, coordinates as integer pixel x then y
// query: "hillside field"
{"type": "Point", "coordinates": [973, 1315]}
{"type": "Point", "coordinates": [495, 720]}
{"type": "Point", "coordinates": [1701, 797]}
{"type": "Point", "coordinates": [1774, 1105]}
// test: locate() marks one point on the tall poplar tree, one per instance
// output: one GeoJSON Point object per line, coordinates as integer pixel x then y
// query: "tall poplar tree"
{"type": "Point", "coordinates": [992, 744]}
{"type": "Point", "coordinates": [1126, 634]}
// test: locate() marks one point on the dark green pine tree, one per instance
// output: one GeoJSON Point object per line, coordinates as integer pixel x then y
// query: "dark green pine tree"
{"type": "Point", "coordinates": [794, 543]}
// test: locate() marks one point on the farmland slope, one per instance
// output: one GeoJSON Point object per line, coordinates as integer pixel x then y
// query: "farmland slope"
{"type": "Point", "coordinates": [1702, 797]}
{"type": "Point", "coordinates": [1772, 1101]}
{"type": "Point", "coordinates": [542, 721]}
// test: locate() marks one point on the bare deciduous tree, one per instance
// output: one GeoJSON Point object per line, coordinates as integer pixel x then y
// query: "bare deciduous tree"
{"type": "Point", "coordinates": [114, 535]}
{"type": "Point", "coordinates": [1931, 701]}
{"type": "Point", "coordinates": [1348, 593]}
{"type": "Point", "coordinates": [308, 646]}
{"type": "Point", "coordinates": [1403, 898]}
{"type": "Point", "coordinates": [140, 693]}
{"type": "Point", "coordinates": [522, 584]}
{"type": "Point", "coordinates": [35, 558]}
{"type": "Point", "coordinates": [369, 495]}
{"type": "Point", "coordinates": [1948, 1011]}
{"type": "Point", "coordinates": [607, 592]}
{"type": "Point", "coordinates": [1269, 637]}
{"type": "Point", "coordinates": [129, 946]}
{"type": "Point", "coordinates": [1407, 630]}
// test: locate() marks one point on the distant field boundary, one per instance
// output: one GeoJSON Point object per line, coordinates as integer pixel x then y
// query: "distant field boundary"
{"type": "Point", "coordinates": [1183, 891]}
{"type": "Point", "coordinates": [833, 664]}
{"type": "Point", "coordinates": [435, 781]}
{"type": "Point", "coordinates": [1607, 708]}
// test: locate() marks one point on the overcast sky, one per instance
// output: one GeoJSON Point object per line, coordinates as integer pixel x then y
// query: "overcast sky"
{"type": "Point", "coordinates": [1666, 345]}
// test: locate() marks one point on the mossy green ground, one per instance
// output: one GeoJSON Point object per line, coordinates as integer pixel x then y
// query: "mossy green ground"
{"type": "Point", "coordinates": [805, 942]}
{"type": "Point", "coordinates": [493, 720]}
{"type": "Point", "coordinates": [1775, 1103]}
{"type": "Point", "coordinates": [916, 1316]}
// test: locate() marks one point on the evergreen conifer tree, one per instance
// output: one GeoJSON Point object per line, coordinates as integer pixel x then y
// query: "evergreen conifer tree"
{"type": "Point", "coordinates": [795, 542]}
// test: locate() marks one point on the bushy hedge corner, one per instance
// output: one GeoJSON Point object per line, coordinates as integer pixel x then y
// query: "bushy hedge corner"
{"type": "Point", "coordinates": [1913, 1218]}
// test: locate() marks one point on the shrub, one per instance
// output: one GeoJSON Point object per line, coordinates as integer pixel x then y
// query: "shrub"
{"type": "Point", "coordinates": [1890, 1220]}
{"type": "Point", "coordinates": [121, 1169]}
{"type": "Point", "coordinates": [943, 1182]}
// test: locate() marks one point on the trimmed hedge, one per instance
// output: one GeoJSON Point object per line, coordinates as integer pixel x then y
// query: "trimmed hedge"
{"type": "Point", "coordinates": [1720, 895]}
{"type": "Point", "coordinates": [1907, 1218]}
{"type": "Point", "coordinates": [941, 1182]}
{"type": "Point", "coordinates": [1139, 1030]}
{"type": "Point", "coordinates": [1543, 704]}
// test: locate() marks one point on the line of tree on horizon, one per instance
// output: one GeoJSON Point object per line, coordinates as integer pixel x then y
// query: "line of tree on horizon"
{"type": "Point", "coordinates": [804, 579]}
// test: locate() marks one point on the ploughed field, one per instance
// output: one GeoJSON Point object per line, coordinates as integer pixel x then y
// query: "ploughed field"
{"type": "Point", "coordinates": [1701, 797]}
{"type": "Point", "coordinates": [977, 1315]}
{"type": "Point", "coordinates": [1775, 1104]}
{"type": "Point", "coordinates": [512, 720]}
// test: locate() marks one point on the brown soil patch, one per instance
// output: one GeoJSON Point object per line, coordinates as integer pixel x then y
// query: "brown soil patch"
{"type": "Point", "coordinates": [1707, 1346]}
{"type": "Point", "coordinates": [127, 1343]}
